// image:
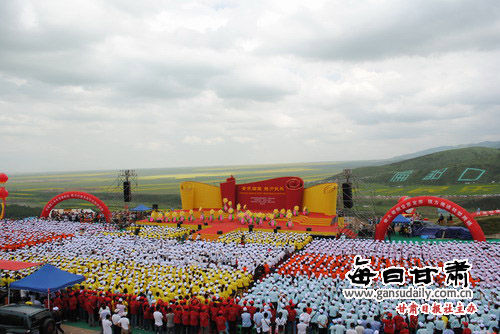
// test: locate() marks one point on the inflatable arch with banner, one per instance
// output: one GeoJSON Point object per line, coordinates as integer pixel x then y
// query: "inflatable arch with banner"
{"type": "Point", "coordinates": [414, 202]}
{"type": "Point", "coordinates": [76, 195]}
{"type": "Point", "coordinates": [486, 213]}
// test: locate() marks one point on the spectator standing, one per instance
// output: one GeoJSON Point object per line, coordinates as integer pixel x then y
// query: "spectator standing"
{"type": "Point", "coordinates": [351, 329]}
{"type": "Point", "coordinates": [322, 322]}
{"type": "Point", "coordinates": [257, 320]}
{"type": "Point", "coordinates": [115, 319]}
{"type": "Point", "coordinates": [158, 319]}
{"type": "Point", "coordinates": [220, 322]}
{"type": "Point", "coordinates": [124, 324]}
{"type": "Point", "coordinates": [359, 328]}
{"type": "Point", "coordinates": [169, 319]}
{"type": "Point", "coordinates": [302, 328]}
{"type": "Point", "coordinates": [266, 323]}
{"type": "Point", "coordinates": [107, 325]}
{"type": "Point", "coordinates": [246, 321]}
{"type": "Point", "coordinates": [204, 320]}
{"type": "Point", "coordinates": [281, 320]}
{"type": "Point", "coordinates": [56, 314]}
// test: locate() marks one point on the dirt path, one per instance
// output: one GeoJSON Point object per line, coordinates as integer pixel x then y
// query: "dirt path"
{"type": "Point", "coordinates": [77, 330]}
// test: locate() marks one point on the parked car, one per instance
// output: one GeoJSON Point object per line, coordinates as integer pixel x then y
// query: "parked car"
{"type": "Point", "coordinates": [27, 319]}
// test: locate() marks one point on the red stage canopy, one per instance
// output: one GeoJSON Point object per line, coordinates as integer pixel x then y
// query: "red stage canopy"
{"type": "Point", "coordinates": [16, 265]}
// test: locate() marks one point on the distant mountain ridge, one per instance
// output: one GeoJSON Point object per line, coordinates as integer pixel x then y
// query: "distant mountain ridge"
{"type": "Point", "coordinates": [456, 166]}
{"type": "Point", "coordinates": [490, 144]}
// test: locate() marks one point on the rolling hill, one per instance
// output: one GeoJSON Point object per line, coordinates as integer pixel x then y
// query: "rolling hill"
{"type": "Point", "coordinates": [457, 166]}
{"type": "Point", "coordinates": [490, 144]}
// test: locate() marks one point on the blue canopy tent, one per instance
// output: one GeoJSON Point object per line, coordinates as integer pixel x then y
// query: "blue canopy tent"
{"type": "Point", "coordinates": [141, 207]}
{"type": "Point", "coordinates": [47, 279]}
{"type": "Point", "coordinates": [400, 219]}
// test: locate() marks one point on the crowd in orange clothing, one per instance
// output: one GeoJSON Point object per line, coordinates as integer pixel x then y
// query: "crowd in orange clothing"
{"type": "Point", "coordinates": [324, 265]}
{"type": "Point", "coordinates": [14, 239]}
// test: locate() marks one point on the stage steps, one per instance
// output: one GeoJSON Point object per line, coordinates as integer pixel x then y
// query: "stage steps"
{"type": "Point", "coordinates": [313, 221]}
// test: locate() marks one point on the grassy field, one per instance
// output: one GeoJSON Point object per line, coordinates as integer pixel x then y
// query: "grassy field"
{"type": "Point", "coordinates": [161, 186]}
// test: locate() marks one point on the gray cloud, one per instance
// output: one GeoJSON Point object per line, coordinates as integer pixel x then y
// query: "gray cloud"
{"type": "Point", "coordinates": [399, 28]}
{"type": "Point", "coordinates": [93, 85]}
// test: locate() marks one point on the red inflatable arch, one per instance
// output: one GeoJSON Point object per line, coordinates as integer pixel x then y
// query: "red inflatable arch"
{"type": "Point", "coordinates": [485, 213]}
{"type": "Point", "coordinates": [415, 202]}
{"type": "Point", "coordinates": [76, 195]}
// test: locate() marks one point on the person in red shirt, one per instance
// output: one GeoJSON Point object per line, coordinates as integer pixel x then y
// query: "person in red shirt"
{"type": "Point", "coordinates": [388, 322]}
{"type": "Point", "coordinates": [148, 316]}
{"type": "Point", "coordinates": [413, 324]}
{"type": "Point", "coordinates": [185, 319]}
{"type": "Point", "coordinates": [134, 312]}
{"type": "Point", "coordinates": [466, 329]}
{"type": "Point", "coordinates": [81, 306]}
{"type": "Point", "coordinates": [204, 320]}
{"type": "Point", "coordinates": [404, 328]}
{"type": "Point", "coordinates": [292, 316]}
{"type": "Point", "coordinates": [251, 309]}
{"type": "Point", "coordinates": [214, 311]}
{"type": "Point", "coordinates": [194, 319]}
{"type": "Point", "coordinates": [178, 318]}
{"type": "Point", "coordinates": [72, 306]}
{"type": "Point", "coordinates": [398, 323]}
{"type": "Point", "coordinates": [220, 322]}
{"type": "Point", "coordinates": [232, 317]}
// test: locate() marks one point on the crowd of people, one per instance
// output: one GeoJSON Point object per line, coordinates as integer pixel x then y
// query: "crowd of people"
{"type": "Point", "coordinates": [126, 263]}
{"type": "Point", "coordinates": [74, 215]}
{"type": "Point", "coordinates": [147, 278]}
{"type": "Point", "coordinates": [296, 240]}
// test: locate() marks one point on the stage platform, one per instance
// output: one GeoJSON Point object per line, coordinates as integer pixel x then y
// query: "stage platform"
{"type": "Point", "coordinates": [314, 224]}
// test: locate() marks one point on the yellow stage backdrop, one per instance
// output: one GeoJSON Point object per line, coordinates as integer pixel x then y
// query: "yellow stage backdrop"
{"type": "Point", "coordinates": [196, 194]}
{"type": "Point", "coordinates": [321, 198]}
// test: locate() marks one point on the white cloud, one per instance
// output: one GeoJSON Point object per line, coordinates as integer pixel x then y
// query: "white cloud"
{"type": "Point", "coordinates": [164, 83]}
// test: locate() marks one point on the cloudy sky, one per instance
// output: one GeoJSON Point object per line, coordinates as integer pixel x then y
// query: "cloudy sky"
{"type": "Point", "coordinates": [90, 84]}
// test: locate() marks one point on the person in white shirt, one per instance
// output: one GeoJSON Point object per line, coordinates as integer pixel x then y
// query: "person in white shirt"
{"type": "Point", "coordinates": [280, 323]}
{"type": "Point", "coordinates": [106, 325]}
{"type": "Point", "coordinates": [120, 307]}
{"type": "Point", "coordinates": [115, 319]}
{"type": "Point", "coordinates": [158, 317]}
{"type": "Point", "coordinates": [266, 324]}
{"type": "Point", "coordinates": [124, 324]}
{"type": "Point", "coordinates": [103, 312]}
{"type": "Point", "coordinates": [257, 320]}
{"type": "Point", "coordinates": [305, 317]}
{"type": "Point", "coordinates": [322, 322]}
{"type": "Point", "coordinates": [351, 329]}
{"type": "Point", "coordinates": [302, 328]}
{"type": "Point", "coordinates": [359, 328]}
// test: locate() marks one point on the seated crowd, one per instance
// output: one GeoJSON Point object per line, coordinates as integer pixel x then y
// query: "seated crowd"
{"type": "Point", "coordinates": [152, 281]}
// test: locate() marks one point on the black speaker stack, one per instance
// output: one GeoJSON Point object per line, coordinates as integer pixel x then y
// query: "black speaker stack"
{"type": "Point", "coordinates": [127, 195]}
{"type": "Point", "coordinates": [347, 195]}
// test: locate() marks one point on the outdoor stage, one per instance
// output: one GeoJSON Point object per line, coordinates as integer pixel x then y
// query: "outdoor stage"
{"type": "Point", "coordinates": [319, 224]}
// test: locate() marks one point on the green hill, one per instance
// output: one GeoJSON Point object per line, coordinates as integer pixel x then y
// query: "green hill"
{"type": "Point", "coordinates": [459, 166]}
